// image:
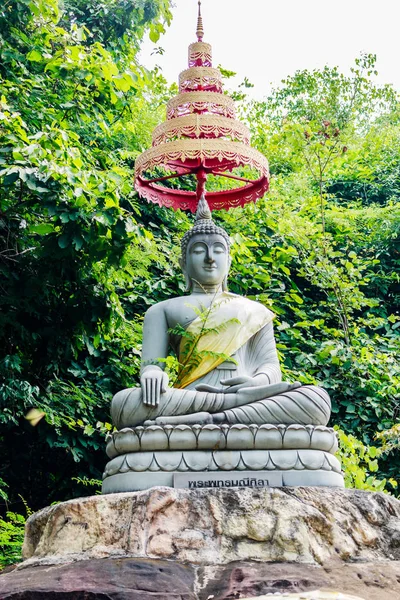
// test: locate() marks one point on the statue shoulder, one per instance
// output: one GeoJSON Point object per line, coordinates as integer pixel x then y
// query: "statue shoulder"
{"type": "Point", "coordinates": [156, 309]}
{"type": "Point", "coordinates": [164, 308]}
{"type": "Point", "coordinates": [252, 305]}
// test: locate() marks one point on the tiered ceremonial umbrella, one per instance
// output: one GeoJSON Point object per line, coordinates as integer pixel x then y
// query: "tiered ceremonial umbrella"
{"type": "Point", "coordinates": [201, 136]}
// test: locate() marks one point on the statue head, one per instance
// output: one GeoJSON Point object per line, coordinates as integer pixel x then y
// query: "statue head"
{"type": "Point", "coordinates": [205, 251]}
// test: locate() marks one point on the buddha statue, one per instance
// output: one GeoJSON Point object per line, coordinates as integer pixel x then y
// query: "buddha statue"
{"type": "Point", "coordinates": [228, 382]}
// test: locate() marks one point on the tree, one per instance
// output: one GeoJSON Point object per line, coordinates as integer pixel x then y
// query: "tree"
{"type": "Point", "coordinates": [321, 256]}
{"type": "Point", "coordinates": [72, 245]}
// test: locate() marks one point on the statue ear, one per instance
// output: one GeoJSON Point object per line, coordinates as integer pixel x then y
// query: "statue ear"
{"type": "Point", "coordinates": [188, 281]}
{"type": "Point", "coordinates": [225, 281]}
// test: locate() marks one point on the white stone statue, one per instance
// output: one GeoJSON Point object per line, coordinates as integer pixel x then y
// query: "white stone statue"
{"type": "Point", "coordinates": [228, 410]}
{"type": "Point", "coordinates": [249, 390]}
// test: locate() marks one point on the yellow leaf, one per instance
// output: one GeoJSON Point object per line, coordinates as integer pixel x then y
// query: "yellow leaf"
{"type": "Point", "coordinates": [34, 415]}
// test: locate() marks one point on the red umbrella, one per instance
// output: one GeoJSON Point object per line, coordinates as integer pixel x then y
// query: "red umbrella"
{"type": "Point", "coordinates": [201, 137]}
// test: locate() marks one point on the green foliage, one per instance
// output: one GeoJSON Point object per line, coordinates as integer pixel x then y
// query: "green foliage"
{"type": "Point", "coordinates": [92, 483]}
{"type": "Point", "coordinates": [390, 438]}
{"type": "Point", "coordinates": [119, 23]}
{"type": "Point", "coordinates": [75, 252]}
{"type": "Point", "coordinates": [359, 462]}
{"type": "Point", "coordinates": [322, 252]}
{"type": "Point", "coordinates": [11, 538]}
{"type": "Point", "coordinates": [11, 531]}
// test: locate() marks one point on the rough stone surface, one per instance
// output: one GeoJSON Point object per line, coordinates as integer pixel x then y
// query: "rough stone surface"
{"type": "Point", "coordinates": [315, 595]}
{"type": "Point", "coordinates": [215, 527]}
{"type": "Point", "coordinates": [108, 579]}
{"type": "Point", "coordinates": [145, 579]}
{"type": "Point", "coordinates": [369, 581]}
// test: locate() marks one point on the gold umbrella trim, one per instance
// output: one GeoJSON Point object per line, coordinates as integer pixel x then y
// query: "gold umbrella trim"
{"type": "Point", "coordinates": [200, 76]}
{"type": "Point", "coordinates": [182, 150]}
{"type": "Point", "coordinates": [200, 51]}
{"type": "Point", "coordinates": [189, 102]}
{"type": "Point", "coordinates": [197, 125]}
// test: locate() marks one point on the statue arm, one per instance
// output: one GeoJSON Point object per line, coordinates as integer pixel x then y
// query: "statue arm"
{"type": "Point", "coordinates": [155, 337]}
{"type": "Point", "coordinates": [264, 357]}
{"type": "Point", "coordinates": [153, 380]}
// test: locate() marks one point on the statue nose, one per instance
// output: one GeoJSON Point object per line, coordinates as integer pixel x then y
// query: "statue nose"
{"type": "Point", "coordinates": [209, 257]}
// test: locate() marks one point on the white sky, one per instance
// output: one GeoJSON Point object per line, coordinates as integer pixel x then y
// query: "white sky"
{"type": "Point", "coordinates": [267, 40]}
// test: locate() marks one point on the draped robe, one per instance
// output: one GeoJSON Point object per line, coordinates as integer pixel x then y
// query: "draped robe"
{"type": "Point", "coordinates": [241, 329]}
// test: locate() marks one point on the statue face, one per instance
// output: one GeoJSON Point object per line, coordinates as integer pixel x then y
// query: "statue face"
{"type": "Point", "coordinates": [207, 259]}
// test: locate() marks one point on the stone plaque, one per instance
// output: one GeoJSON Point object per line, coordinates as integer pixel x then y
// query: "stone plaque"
{"type": "Point", "coordinates": [228, 479]}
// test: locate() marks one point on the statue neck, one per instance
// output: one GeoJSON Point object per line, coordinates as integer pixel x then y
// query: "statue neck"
{"type": "Point", "coordinates": [198, 288]}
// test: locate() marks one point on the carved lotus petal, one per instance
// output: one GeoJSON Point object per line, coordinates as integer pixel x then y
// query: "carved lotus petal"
{"type": "Point", "coordinates": [168, 460]}
{"type": "Point", "coordinates": [126, 441]}
{"type": "Point", "coordinates": [227, 459]}
{"type": "Point", "coordinates": [255, 459]}
{"type": "Point", "coordinates": [333, 462]}
{"type": "Point", "coordinates": [241, 466]}
{"type": "Point", "coordinates": [154, 438]}
{"type": "Point", "coordinates": [296, 436]}
{"type": "Point", "coordinates": [168, 429]}
{"type": "Point", "coordinates": [110, 449]}
{"type": "Point", "coordinates": [284, 459]}
{"type": "Point", "coordinates": [312, 459]}
{"type": "Point", "coordinates": [268, 436]}
{"type": "Point", "coordinates": [240, 436]}
{"type": "Point", "coordinates": [114, 466]}
{"type": "Point", "coordinates": [197, 460]}
{"type": "Point", "coordinates": [154, 467]}
{"type": "Point", "coordinates": [139, 431]}
{"type": "Point", "coordinates": [210, 437]}
{"type": "Point", "coordinates": [324, 438]}
{"type": "Point", "coordinates": [182, 437]}
{"type": "Point", "coordinates": [196, 429]}
{"type": "Point", "coordinates": [138, 461]}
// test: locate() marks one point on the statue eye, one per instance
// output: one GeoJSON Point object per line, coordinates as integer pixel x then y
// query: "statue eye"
{"type": "Point", "coordinates": [219, 249]}
{"type": "Point", "coordinates": [198, 249]}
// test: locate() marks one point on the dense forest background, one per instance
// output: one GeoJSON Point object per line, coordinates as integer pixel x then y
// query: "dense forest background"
{"type": "Point", "coordinates": [82, 257]}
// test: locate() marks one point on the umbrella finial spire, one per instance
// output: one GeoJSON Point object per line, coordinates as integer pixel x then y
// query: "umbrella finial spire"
{"type": "Point", "coordinates": [200, 28]}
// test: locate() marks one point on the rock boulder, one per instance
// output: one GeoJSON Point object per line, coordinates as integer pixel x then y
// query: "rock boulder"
{"type": "Point", "coordinates": [145, 579]}
{"type": "Point", "coordinates": [183, 544]}
{"type": "Point", "coordinates": [215, 527]}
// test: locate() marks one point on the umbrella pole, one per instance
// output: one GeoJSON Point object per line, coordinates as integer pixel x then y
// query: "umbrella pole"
{"type": "Point", "coordinates": [201, 176]}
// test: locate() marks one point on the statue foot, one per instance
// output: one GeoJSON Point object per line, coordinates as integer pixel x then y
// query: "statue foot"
{"type": "Point", "coordinates": [200, 418]}
{"type": "Point", "coordinates": [219, 418]}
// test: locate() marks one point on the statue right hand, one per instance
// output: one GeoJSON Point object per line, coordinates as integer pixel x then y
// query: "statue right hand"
{"type": "Point", "coordinates": [153, 382]}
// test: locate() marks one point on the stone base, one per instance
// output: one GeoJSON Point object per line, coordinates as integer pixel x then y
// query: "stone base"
{"type": "Point", "coordinates": [137, 481]}
{"type": "Point", "coordinates": [296, 455]}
